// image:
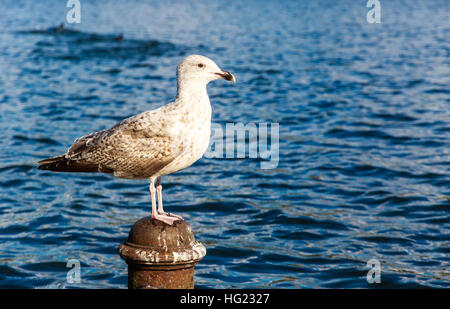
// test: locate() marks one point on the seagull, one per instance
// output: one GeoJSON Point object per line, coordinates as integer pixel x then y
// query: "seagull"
{"type": "Point", "coordinates": [154, 143]}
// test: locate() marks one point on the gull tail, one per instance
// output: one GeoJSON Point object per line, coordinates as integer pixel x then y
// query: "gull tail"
{"type": "Point", "coordinates": [62, 164]}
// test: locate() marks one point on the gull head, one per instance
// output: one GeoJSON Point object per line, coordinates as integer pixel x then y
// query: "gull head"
{"type": "Point", "coordinates": [202, 70]}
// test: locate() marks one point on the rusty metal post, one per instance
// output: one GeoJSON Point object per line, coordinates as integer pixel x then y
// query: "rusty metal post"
{"type": "Point", "coordinates": [161, 256]}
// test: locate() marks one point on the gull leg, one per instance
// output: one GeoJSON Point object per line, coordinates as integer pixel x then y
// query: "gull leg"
{"type": "Point", "coordinates": [159, 190]}
{"type": "Point", "coordinates": [153, 197]}
{"type": "Point", "coordinates": [160, 201]}
{"type": "Point", "coordinates": [155, 215]}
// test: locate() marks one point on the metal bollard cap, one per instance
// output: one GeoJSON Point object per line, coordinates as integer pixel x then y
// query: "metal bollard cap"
{"type": "Point", "coordinates": [158, 245]}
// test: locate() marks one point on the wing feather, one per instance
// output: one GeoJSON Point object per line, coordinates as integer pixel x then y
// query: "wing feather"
{"type": "Point", "coordinates": [136, 147]}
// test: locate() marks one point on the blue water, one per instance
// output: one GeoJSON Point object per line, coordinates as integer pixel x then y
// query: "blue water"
{"type": "Point", "coordinates": [364, 140]}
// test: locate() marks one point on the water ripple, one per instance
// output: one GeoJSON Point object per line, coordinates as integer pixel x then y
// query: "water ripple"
{"type": "Point", "coordinates": [363, 167]}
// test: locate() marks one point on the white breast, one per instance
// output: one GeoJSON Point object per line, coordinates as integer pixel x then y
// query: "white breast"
{"type": "Point", "coordinates": [194, 129]}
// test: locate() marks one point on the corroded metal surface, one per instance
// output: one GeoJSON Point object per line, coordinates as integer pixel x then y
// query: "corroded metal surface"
{"type": "Point", "coordinates": [160, 279]}
{"type": "Point", "coordinates": [161, 256]}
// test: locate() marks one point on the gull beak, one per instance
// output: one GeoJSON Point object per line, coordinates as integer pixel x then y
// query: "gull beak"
{"type": "Point", "coordinates": [226, 76]}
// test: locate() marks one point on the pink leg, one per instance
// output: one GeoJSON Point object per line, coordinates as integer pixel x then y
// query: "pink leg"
{"type": "Point", "coordinates": [160, 201]}
{"type": "Point", "coordinates": [155, 215]}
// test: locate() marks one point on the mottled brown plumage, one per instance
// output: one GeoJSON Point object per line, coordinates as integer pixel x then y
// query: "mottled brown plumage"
{"type": "Point", "coordinates": [154, 143]}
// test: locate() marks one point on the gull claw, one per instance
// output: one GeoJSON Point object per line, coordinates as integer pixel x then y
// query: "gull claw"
{"type": "Point", "coordinates": [170, 215]}
{"type": "Point", "coordinates": [165, 218]}
{"type": "Point", "coordinates": [175, 216]}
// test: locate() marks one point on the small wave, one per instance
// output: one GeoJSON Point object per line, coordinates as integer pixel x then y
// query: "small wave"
{"type": "Point", "coordinates": [42, 140]}
{"type": "Point", "coordinates": [68, 44]}
{"type": "Point", "coordinates": [370, 133]}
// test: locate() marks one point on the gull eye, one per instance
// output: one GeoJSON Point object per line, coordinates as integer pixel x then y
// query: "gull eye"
{"type": "Point", "coordinates": [200, 65]}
